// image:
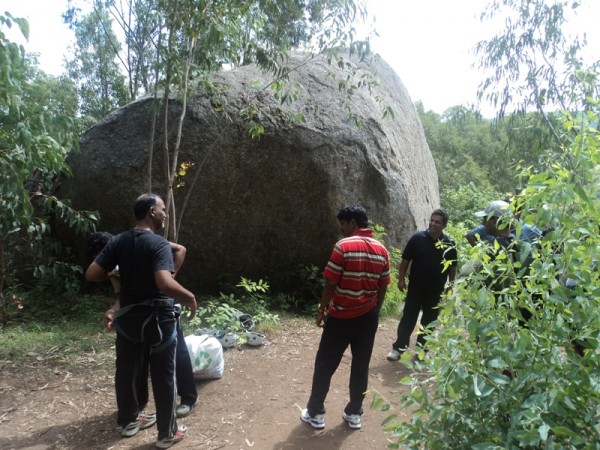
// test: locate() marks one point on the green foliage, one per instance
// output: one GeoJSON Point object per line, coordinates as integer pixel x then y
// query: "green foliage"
{"type": "Point", "coordinates": [493, 383]}
{"type": "Point", "coordinates": [46, 306]}
{"type": "Point", "coordinates": [93, 65]}
{"type": "Point", "coordinates": [216, 314]}
{"type": "Point", "coordinates": [468, 149]}
{"type": "Point", "coordinates": [252, 297]}
{"type": "Point", "coordinates": [35, 136]}
{"type": "Point", "coordinates": [394, 298]}
{"type": "Point", "coordinates": [532, 62]}
{"type": "Point", "coordinates": [58, 277]}
{"type": "Point", "coordinates": [54, 343]}
{"type": "Point", "coordinates": [461, 203]}
{"type": "Point", "coordinates": [312, 282]}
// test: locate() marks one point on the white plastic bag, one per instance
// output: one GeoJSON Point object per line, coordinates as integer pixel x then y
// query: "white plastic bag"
{"type": "Point", "coordinates": [206, 354]}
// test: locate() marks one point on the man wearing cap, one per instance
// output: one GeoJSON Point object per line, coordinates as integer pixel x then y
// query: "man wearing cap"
{"type": "Point", "coordinates": [527, 233]}
{"type": "Point", "coordinates": [426, 253]}
{"type": "Point", "coordinates": [496, 221]}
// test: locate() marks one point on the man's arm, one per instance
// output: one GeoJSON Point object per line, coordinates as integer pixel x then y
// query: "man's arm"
{"type": "Point", "coordinates": [381, 295]}
{"type": "Point", "coordinates": [451, 278]}
{"type": "Point", "coordinates": [96, 273]}
{"type": "Point", "coordinates": [179, 252]}
{"type": "Point", "coordinates": [326, 294]}
{"type": "Point", "coordinates": [471, 239]}
{"type": "Point", "coordinates": [451, 274]}
{"type": "Point", "coordinates": [167, 285]}
{"type": "Point", "coordinates": [109, 314]}
{"type": "Point", "coordinates": [471, 236]}
{"type": "Point", "coordinates": [402, 274]}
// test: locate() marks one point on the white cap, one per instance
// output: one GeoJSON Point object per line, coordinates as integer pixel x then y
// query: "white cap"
{"type": "Point", "coordinates": [497, 208]}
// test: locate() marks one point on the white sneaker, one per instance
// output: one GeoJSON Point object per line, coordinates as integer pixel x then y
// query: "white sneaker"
{"type": "Point", "coordinates": [317, 421]}
{"type": "Point", "coordinates": [144, 420]}
{"type": "Point", "coordinates": [394, 355]}
{"type": "Point", "coordinates": [353, 420]}
{"type": "Point", "coordinates": [183, 410]}
{"type": "Point", "coordinates": [169, 442]}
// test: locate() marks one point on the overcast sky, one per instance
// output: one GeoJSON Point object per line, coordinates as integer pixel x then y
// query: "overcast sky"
{"type": "Point", "coordinates": [429, 43]}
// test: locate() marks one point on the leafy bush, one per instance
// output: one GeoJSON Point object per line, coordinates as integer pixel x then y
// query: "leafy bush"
{"type": "Point", "coordinates": [312, 279]}
{"type": "Point", "coordinates": [394, 298]}
{"type": "Point", "coordinates": [462, 202]}
{"type": "Point", "coordinates": [252, 298]}
{"type": "Point", "coordinates": [58, 278]}
{"type": "Point", "coordinates": [34, 147]}
{"type": "Point", "coordinates": [495, 384]}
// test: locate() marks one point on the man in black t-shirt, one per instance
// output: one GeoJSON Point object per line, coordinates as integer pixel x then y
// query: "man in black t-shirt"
{"type": "Point", "coordinates": [431, 256]}
{"type": "Point", "coordinates": [146, 319]}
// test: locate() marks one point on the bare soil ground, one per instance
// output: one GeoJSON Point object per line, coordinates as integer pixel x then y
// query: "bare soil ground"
{"type": "Point", "coordinates": [256, 405]}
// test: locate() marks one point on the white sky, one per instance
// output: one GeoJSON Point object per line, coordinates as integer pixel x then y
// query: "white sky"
{"type": "Point", "coordinates": [429, 43]}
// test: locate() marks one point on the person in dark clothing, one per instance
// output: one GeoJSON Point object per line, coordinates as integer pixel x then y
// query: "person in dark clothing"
{"type": "Point", "coordinates": [186, 385]}
{"type": "Point", "coordinates": [184, 373]}
{"type": "Point", "coordinates": [432, 258]}
{"type": "Point", "coordinates": [498, 222]}
{"type": "Point", "coordinates": [146, 320]}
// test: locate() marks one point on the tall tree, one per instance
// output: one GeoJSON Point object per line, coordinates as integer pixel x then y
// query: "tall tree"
{"type": "Point", "coordinates": [141, 24]}
{"type": "Point", "coordinates": [36, 132]}
{"type": "Point", "coordinates": [533, 62]}
{"type": "Point", "coordinates": [94, 66]}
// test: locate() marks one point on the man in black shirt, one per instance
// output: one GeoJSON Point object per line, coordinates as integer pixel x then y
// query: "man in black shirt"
{"type": "Point", "coordinates": [432, 258]}
{"type": "Point", "coordinates": [146, 319]}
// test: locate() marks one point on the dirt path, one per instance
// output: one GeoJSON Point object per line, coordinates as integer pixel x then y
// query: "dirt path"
{"type": "Point", "coordinates": [255, 405]}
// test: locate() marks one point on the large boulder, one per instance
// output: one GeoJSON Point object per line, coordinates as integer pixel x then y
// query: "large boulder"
{"type": "Point", "coordinates": [265, 207]}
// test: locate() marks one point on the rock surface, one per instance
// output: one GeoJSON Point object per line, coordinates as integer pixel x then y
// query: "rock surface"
{"type": "Point", "coordinates": [264, 207]}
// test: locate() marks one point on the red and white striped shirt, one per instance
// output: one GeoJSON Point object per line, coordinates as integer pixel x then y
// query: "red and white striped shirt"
{"type": "Point", "coordinates": [359, 264]}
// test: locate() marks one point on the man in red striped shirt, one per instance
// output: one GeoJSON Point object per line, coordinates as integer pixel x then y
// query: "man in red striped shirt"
{"type": "Point", "coordinates": [356, 280]}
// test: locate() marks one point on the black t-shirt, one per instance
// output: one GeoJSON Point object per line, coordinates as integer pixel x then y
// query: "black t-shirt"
{"type": "Point", "coordinates": [139, 254]}
{"type": "Point", "coordinates": [427, 256]}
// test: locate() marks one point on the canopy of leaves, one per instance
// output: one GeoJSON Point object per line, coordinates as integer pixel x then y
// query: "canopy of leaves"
{"type": "Point", "coordinates": [471, 150]}
{"type": "Point", "coordinates": [227, 32]}
{"type": "Point", "coordinates": [532, 64]}
{"type": "Point", "coordinates": [94, 67]}
{"type": "Point", "coordinates": [36, 132]}
{"type": "Point", "coordinates": [498, 379]}
{"type": "Point", "coordinates": [495, 383]}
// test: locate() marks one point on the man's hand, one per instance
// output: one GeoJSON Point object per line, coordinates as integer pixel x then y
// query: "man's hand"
{"type": "Point", "coordinates": [191, 306]}
{"type": "Point", "coordinates": [109, 315]}
{"type": "Point", "coordinates": [321, 318]}
{"type": "Point", "coordinates": [401, 284]}
{"type": "Point", "coordinates": [326, 295]}
{"type": "Point", "coordinates": [108, 319]}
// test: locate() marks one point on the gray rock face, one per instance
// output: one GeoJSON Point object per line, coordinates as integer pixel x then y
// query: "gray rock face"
{"type": "Point", "coordinates": [263, 207]}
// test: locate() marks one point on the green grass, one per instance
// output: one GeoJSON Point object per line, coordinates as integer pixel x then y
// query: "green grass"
{"type": "Point", "coordinates": [56, 343]}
